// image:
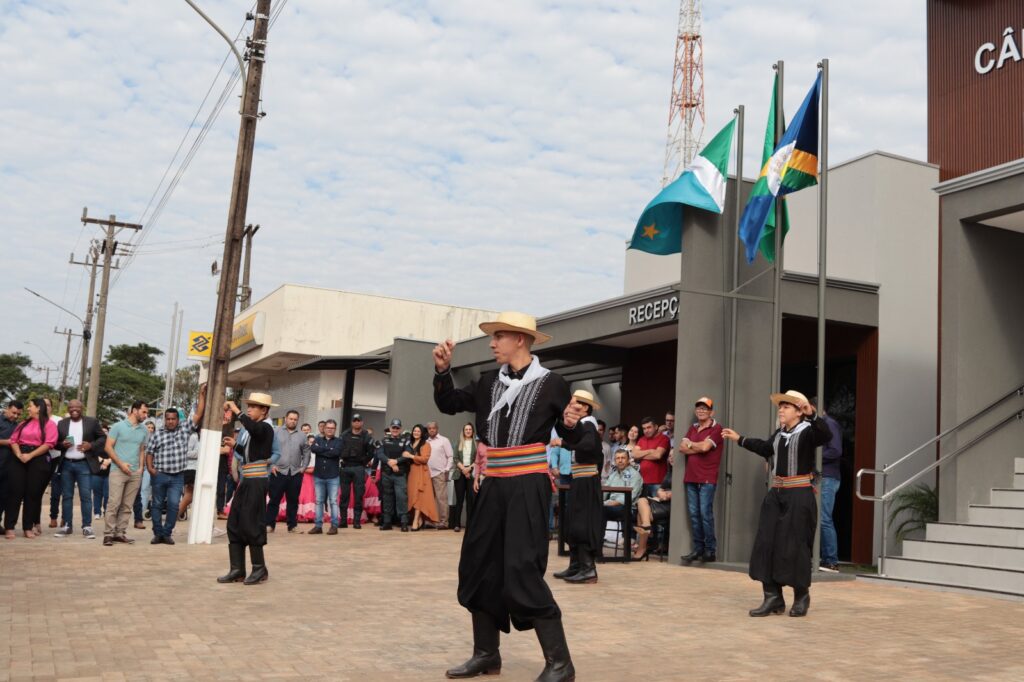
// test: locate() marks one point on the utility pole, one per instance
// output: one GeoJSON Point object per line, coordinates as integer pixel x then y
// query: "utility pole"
{"type": "Point", "coordinates": [168, 396]}
{"type": "Point", "coordinates": [67, 358]}
{"type": "Point", "coordinates": [87, 324]}
{"type": "Point", "coordinates": [109, 245]}
{"type": "Point", "coordinates": [201, 528]}
{"type": "Point", "coordinates": [245, 297]}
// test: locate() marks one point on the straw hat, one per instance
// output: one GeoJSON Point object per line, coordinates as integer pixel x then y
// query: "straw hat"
{"type": "Point", "coordinates": [260, 399]}
{"type": "Point", "coordinates": [586, 397]}
{"type": "Point", "coordinates": [515, 322]}
{"type": "Point", "coordinates": [792, 397]}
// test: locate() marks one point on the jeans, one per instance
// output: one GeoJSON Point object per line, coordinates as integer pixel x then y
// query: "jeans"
{"type": "Point", "coordinates": [700, 502]}
{"type": "Point", "coordinates": [326, 491]}
{"type": "Point", "coordinates": [288, 486]}
{"type": "Point", "coordinates": [76, 471]}
{"type": "Point", "coordinates": [100, 493]}
{"type": "Point", "coordinates": [142, 499]}
{"type": "Point", "coordinates": [651, 489]}
{"type": "Point", "coordinates": [167, 489]}
{"type": "Point", "coordinates": [829, 543]}
{"type": "Point", "coordinates": [394, 497]}
{"type": "Point", "coordinates": [353, 477]}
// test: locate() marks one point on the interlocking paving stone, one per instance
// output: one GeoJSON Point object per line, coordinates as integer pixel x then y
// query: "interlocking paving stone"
{"type": "Point", "coordinates": [367, 606]}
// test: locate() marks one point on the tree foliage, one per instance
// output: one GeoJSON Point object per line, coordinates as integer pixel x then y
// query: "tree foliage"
{"type": "Point", "coordinates": [13, 378]}
{"type": "Point", "coordinates": [140, 357]}
{"type": "Point", "coordinates": [186, 386]}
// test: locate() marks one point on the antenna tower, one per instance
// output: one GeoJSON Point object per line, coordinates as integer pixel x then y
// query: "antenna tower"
{"type": "Point", "coordinates": [686, 107]}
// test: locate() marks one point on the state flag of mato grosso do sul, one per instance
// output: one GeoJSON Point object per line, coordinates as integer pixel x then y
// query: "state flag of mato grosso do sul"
{"type": "Point", "coordinates": [702, 185]}
{"type": "Point", "coordinates": [792, 166]}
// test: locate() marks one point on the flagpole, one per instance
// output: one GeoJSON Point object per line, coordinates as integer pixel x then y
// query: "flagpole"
{"type": "Point", "coordinates": [822, 271]}
{"type": "Point", "coordinates": [780, 128]}
{"type": "Point", "coordinates": [730, 410]}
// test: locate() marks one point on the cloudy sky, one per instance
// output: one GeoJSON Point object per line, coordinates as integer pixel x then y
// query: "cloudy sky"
{"type": "Point", "coordinates": [478, 153]}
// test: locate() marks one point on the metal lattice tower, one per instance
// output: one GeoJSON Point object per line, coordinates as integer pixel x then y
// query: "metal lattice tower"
{"type": "Point", "coordinates": [686, 107]}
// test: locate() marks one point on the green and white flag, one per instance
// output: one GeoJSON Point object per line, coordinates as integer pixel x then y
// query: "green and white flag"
{"type": "Point", "coordinates": [702, 185]}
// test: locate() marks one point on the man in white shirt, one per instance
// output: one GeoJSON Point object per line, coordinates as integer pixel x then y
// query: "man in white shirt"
{"type": "Point", "coordinates": [439, 464]}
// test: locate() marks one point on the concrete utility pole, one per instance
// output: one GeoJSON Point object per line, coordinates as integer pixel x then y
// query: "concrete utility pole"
{"type": "Point", "coordinates": [201, 528]}
{"type": "Point", "coordinates": [67, 358]}
{"type": "Point", "coordinates": [168, 396]}
{"type": "Point", "coordinates": [87, 323]}
{"type": "Point", "coordinates": [245, 297]}
{"type": "Point", "coordinates": [112, 227]}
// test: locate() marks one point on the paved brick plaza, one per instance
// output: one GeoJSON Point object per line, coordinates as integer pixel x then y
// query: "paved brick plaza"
{"type": "Point", "coordinates": [366, 605]}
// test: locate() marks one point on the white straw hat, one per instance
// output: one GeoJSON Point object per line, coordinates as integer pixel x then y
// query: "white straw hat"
{"type": "Point", "coordinates": [515, 322]}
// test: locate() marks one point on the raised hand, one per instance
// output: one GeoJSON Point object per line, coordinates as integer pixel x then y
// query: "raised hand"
{"type": "Point", "coordinates": [443, 355]}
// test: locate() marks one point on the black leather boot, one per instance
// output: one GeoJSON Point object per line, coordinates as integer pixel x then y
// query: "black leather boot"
{"type": "Point", "coordinates": [773, 604]}
{"type": "Point", "coordinates": [588, 569]}
{"type": "Point", "coordinates": [557, 663]}
{"type": "Point", "coordinates": [801, 602]}
{"type": "Point", "coordinates": [695, 555]}
{"type": "Point", "coordinates": [237, 573]}
{"type": "Point", "coordinates": [574, 565]}
{"type": "Point", "coordinates": [259, 567]}
{"type": "Point", "coordinates": [486, 660]}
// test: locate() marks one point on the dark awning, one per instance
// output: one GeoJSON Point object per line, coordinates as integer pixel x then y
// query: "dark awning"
{"type": "Point", "coordinates": [378, 362]}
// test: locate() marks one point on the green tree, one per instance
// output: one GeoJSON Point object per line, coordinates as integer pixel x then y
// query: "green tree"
{"type": "Point", "coordinates": [128, 375]}
{"type": "Point", "coordinates": [40, 390]}
{"type": "Point", "coordinates": [141, 357]}
{"type": "Point", "coordinates": [12, 374]}
{"type": "Point", "coordinates": [186, 386]}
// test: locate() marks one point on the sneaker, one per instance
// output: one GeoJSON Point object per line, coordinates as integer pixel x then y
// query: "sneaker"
{"type": "Point", "coordinates": [219, 532]}
{"type": "Point", "coordinates": [97, 517]}
{"type": "Point", "coordinates": [88, 534]}
{"type": "Point", "coordinates": [63, 532]}
{"type": "Point", "coordinates": [829, 568]}
{"type": "Point", "coordinates": [317, 530]}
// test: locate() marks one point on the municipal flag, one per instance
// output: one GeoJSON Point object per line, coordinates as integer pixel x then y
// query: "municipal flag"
{"type": "Point", "coordinates": [792, 166]}
{"type": "Point", "coordinates": [767, 245]}
{"type": "Point", "coordinates": [702, 185]}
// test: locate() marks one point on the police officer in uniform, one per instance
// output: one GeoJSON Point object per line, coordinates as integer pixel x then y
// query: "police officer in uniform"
{"type": "Point", "coordinates": [394, 471]}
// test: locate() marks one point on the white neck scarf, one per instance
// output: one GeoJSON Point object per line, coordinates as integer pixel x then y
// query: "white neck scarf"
{"type": "Point", "coordinates": [514, 386]}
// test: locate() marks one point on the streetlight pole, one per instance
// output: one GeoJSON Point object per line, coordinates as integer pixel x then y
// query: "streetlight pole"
{"type": "Point", "coordinates": [201, 529]}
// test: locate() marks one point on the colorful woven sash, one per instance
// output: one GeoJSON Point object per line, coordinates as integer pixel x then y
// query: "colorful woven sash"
{"type": "Point", "coordinates": [584, 470]}
{"type": "Point", "coordinates": [802, 481]}
{"type": "Point", "coordinates": [256, 470]}
{"type": "Point", "coordinates": [517, 461]}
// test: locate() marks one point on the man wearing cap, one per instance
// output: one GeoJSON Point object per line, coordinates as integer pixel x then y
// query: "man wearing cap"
{"type": "Point", "coordinates": [789, 513]}
{"type": "Point", "coordinates": [356, 451]}
{"type": "Point", "coordinates": [505, 549]}
{"type": "Point", "coordinates": [254, 449]}
{"type": "Point", "coordinates": [394, 470]}
{"type": "Point", "coordinates": [702, 446]}
{"type": "Point", "coordinates": [585, 532]}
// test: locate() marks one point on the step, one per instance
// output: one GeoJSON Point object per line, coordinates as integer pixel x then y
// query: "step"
{"type": "Point", "coordinates": [1007, 497]}
{"type": "Point", "coordinates": [1018, 481]}
{"type": "Point", "coordinates": [962, 553]}
{"type": "Point", "coordinates": [966, 533]}
{"type": "Point", "coordinates": [993, 515]}
{"type": "Point", "coordinates": [938, 587]}
{"type": "Point", "coordinates": [960, 575]}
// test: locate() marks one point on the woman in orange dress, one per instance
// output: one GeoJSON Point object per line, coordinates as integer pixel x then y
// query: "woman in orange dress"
{"type": "Point", "coordinates": [421, 489]}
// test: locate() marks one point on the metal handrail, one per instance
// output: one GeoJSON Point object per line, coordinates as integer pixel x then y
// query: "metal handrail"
{"type": "Point", "coordinates": [887, 495]}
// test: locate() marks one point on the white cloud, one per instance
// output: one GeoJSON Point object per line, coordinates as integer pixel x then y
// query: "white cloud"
{"type": "Point", "coordinates": [476, 153]}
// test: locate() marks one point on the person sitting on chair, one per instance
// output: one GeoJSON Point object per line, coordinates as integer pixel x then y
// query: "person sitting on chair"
{"type": "Point", "coordinates": [652, 510]}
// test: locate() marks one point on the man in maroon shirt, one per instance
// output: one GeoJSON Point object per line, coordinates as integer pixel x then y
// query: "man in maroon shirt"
{"type": "Point", "coordinates": [652, 452]}
{"type": "Point", "coordinates": [703, 449]}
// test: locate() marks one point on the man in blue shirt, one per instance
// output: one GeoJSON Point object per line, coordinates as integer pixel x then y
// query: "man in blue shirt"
{"type": "Point", "coordinates": [124, 447]}
{"type": "Point", "coordinates": [830, 477]}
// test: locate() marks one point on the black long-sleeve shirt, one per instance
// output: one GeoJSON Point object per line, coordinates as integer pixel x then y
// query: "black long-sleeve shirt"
{"type": "Point", "coordinates": [261, 439]}
{"type": "Point", "coordinates": [807, 439]}
{"type": "Point", "coordinates": [328, 453]}
{"type": "Point", "coordinates": [535, 411]}
{"type": "Point", "coordinates": [584, 442]}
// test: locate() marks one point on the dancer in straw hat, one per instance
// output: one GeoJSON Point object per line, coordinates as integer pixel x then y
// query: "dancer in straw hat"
{"type": "Point", "coordinates": [255, 448]}
{"type": "Point", "coordinates": [505, 548]}
{"type": "Point", "coordinates": [585, 532]}
{"type": "Point", "coordinates": [789, 513]}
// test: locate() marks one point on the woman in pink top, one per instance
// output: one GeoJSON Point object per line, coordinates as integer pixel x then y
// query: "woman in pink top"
{"type": "Point", "coordinates": [28, 471]}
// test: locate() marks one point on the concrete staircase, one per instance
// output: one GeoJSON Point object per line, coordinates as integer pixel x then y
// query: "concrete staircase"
{"type": "Point", "coordinates": [986, 554]}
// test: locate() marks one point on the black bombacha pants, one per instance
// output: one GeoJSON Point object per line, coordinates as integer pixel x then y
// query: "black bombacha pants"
{"type": "Point", "coordinates": [785, 538]}
{"type": "Point", "coordinates": [586, 514]}
{"type": "Point", "coordinates": [248, 506]}
{"type": "Point", "coordinates": [505, 552]}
